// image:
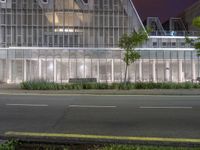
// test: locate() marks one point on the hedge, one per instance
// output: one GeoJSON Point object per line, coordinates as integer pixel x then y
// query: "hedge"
{"type": "Point", "coordinates": [44, 85]}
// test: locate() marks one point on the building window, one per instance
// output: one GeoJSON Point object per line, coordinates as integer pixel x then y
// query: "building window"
{"type": "Point", "coordinates": [173, 44]}
{"type": "Point", "coordinates": [164, 44]}
{"type": "Point", "coordinates": [155, 44]}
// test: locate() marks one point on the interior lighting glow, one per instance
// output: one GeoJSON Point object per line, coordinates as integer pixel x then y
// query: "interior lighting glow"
{"type": "Point", "coordinates": [65, 30]}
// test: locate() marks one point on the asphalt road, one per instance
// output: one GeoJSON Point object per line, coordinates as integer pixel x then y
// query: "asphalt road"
{"type": "Point", "coordinates": [144, 116]}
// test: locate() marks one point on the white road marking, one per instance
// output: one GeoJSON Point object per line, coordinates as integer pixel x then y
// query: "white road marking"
{"type": "Point", "coordinates": [28, 105]}
{"type": "Point", "coordinates": [90, 106]}
{"type": "Point", "coordinates": [175, 107]}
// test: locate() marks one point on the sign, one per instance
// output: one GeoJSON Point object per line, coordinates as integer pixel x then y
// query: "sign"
{"type": "Point", "coordinates": [82, 80]}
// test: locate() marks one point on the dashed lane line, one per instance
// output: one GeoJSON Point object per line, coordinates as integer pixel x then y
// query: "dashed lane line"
{"type": "Point", "coordinates": [166, 107]}
{"type": "Point", "coordinates": [90, 106]}
{"type": "Point", "coordinates": [29, 105]}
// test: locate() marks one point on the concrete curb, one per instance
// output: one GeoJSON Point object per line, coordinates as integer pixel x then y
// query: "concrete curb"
{"type": "Point", "coordinates": [189, 92]}
{"type": "Point", "coordinates": [14, 89]}
{"type": "Point", "coordinates": [89, 141]}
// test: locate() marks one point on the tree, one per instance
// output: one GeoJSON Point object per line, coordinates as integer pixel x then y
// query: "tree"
{"type": "Point", "coordinates": [195, 42]}
{"type": "Point", "coordinates": [129, 42]}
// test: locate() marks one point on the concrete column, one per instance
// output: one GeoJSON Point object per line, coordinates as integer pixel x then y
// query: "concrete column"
{"type": "Point", "coordinates": [1, 70]}
{"type": "Point", "coordinates": [154, 70]}
{"type": "Point", "coordinates": [193, 70]}
{"type": "Point", "coordinates": [25, 70]}
{"type": "Point", "coordinates": [140, 70]}
{"type": "Point", "coordinates": [9, 77]}
{"type": "Point", "coordinates": [112, 71]}
{"type": "Point", "coordinates": [167, 71]}
{"type": "Point", "coordinates": [98, 75]}
{"type": "Point", "coordinates": [40, 68]}
{"type": "Point", "coordinates": [180, 70]}
{"type": "Point", "coordinates": [61, 72]}
{"type": "Point", "coordinates": [85, 69]}
{"type": "Point", "coordinates": [55, 70]}
{"type": "Point", "coordinates": [70, 66]}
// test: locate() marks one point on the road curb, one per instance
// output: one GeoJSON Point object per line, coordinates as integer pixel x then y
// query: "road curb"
{"type": "Point", "coordinates": [103, 92]}
{"type": "Point", "coordinates": [98, 139]}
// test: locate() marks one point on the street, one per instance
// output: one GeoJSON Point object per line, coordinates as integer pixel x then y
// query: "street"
{"type": "Point", "coordinates": [142, 116]}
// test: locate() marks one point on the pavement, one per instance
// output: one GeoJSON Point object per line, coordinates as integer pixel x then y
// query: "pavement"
{"type": "Point", "coordinates": [149, 118]}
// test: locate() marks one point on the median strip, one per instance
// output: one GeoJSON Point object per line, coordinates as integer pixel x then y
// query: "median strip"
{"type": "Point", "coordinates": [101, 137]}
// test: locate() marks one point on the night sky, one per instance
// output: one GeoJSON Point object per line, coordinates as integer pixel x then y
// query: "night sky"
{"type": "Point", "coordinates": [161, 8]}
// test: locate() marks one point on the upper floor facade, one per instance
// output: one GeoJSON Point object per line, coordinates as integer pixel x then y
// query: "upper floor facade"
{"type": "Point", "coordinates": [75, 23]}
{"type": "Point", "coordinates": [66, 23]}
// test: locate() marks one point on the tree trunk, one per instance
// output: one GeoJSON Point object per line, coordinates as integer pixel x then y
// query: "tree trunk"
{"type": "Point", "coordinates": [125, 73]}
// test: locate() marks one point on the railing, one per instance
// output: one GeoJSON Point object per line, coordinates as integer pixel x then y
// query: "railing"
{"type": "Point", "coordinates": [168, 42]}
{"type": "Point", "coordinates": [175, 33]}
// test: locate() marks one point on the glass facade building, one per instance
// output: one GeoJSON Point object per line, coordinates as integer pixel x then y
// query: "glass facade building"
{"type": "Point", "coordinates": [58, 40]}
{"type": "Point", "coordinates": [66, 23]}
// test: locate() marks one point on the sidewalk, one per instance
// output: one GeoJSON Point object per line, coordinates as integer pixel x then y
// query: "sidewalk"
{"type": "Point", "coordinates": [15, 89]}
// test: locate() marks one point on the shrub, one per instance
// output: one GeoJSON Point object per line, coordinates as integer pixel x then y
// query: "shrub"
{"type": "Point", "coordinates": [166, 86]}
{"type": "Point", "coordinates": [10, 145]}
{"type": "Point", "coordinates": [45, 85]}
{"type": "Point", "coordinates": [188, 85]}
{"type": "Point", "coordinates": [140, 85]}
{"type": "Point", "coordinates": [103, 86]}
{"type": "Point", "coordinates": [196, 86]}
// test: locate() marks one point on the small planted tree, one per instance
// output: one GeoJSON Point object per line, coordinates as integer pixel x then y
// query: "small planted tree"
{"type": "Point", "coordinates": [129, 42]}
{"type": "Point", "coordinates": [195, 42]}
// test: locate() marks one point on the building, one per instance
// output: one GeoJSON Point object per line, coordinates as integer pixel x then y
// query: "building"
{"type": "Point", "coordinates": [58, 40]}
{"type": "Point", "coordinates": [189, 14]}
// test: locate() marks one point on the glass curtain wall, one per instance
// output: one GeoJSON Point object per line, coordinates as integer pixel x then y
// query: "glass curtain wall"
{"type": "Point", "coordinates": [66, 23]}
{"type": "Point", "coordinates": [60, 65]}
